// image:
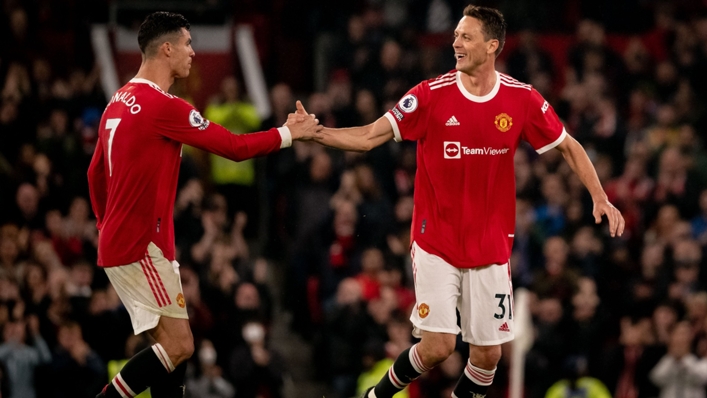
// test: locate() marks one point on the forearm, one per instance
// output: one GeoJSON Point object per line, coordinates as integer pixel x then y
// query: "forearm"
{"type": "Point", "coordinates": [578, 160]}
{"type": "Point", "coordinates": [239, 246]}
{"type": "Point", "coordinates": [358, 139]}
{"type": "Point", "coordinates": [201, 248]}
{"type": "Point", "coordinates": [347, 139]}
{"type": "Point", "coordinates": [247, 146]}
{"type": "Point", "coordinates": [45, 355]}
{"type": "Point", "coordinates": [663, 371]}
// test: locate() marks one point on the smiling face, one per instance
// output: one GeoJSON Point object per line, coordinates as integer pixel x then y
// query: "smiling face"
{"type": "Point", "coordinates": [471, 48]}
{"type": "Point", "coordinates": [181, 54]}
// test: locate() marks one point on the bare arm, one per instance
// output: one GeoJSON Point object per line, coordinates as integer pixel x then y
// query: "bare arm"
{"type": "Point", "coordinates": [578, 160]}
{"type": "Point", "coordinates": [358, 139]}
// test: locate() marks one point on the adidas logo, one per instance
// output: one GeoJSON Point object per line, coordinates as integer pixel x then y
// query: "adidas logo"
{"type": "Point", "coordinates": [452, 122]}
{"type": "Point", "coordinates": [504, 327]}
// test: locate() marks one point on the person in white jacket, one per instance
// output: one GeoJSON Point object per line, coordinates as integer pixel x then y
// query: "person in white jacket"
{"type": "Point", "coordinates": [680, 374]}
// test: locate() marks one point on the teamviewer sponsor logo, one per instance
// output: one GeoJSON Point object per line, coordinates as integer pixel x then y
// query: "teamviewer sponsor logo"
{"type": "Point", "coordinates": [452, 150]}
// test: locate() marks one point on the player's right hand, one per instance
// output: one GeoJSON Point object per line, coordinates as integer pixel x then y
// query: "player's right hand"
{"type": "Point", "coordinates": [302, 126]}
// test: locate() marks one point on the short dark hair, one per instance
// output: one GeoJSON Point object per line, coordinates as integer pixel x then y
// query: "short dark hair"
{"type": "Point", "coordinates": [158, 24]}
{"type": "Point", "coordinates": [494, 25]}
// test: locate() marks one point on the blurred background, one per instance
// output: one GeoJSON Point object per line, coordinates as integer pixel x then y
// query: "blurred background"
{"type": "Point", "coordinates": [295, 267]}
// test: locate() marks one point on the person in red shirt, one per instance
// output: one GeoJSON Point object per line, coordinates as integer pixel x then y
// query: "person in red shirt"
{"type": "Point", "coordinates": [467, 124]}
{"type": "Point", "coordinates": [133, 180]}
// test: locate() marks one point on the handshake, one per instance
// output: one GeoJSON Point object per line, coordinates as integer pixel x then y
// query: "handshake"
{"type": "Point", "coordinates": [303, 126]}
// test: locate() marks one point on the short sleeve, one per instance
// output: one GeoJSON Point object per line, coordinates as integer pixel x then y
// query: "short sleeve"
{"type": "Point", "coordinates": [409, 116]}
{"type": "Point", "coordinates": [543, 128]}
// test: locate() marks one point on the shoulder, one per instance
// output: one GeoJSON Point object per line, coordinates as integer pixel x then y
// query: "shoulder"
{"type": "Point", "coordinates": [447, 79]}
{"type": "Point", "coordinates": [510, 82]}
{"type": "Point", "coordinates": [151, 92]}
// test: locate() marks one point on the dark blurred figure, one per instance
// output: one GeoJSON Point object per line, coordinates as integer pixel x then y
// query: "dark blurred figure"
{"type": "Point", "coordinates": [591, 54]}
{"type": "Point", "coordinates": [344, 334]}
{"type": "Point", "coordinates": [626, 366]}
{"type": "Point", "coordinates": [550, 347]}
{"type": "Point", "coordinates": [254, 368]}
{"type": "Point", "coordinates": [78, 372]}
{"type": "Point", "coordinates": [528, 59]}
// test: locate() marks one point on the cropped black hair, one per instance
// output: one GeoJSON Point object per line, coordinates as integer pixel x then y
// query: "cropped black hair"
{"type": "Point", "coordinates": [157, 25]}
{"type": "Point", "coordinates": [494, 25]}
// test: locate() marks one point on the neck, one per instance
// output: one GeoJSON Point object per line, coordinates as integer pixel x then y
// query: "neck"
{"type": "Point", "coordinates": [152, 70]}
{"type": "Point", "coordinates": [481, 80]}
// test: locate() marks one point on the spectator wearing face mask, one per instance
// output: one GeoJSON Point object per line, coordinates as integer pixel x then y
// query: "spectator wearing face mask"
{"type": "Point", "coordinates": [255, 369]}
{"type": "Point", "coordinates": [210, 384]}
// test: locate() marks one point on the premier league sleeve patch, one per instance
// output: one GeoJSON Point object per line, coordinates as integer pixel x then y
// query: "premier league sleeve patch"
{"type": "Point", "coordinates": [198, 121]}
{"type": "Point", "coordinates": [408, 103]}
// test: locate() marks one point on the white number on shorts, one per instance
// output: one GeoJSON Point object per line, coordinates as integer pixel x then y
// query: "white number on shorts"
{"type": "Point", "coordinates": [501, 299]}
{"type": "Point", "coordinates": [112, 125]}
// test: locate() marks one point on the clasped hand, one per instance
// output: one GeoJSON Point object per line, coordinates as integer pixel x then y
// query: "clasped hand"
{"type": "Point", "coordinates": [303, 126]}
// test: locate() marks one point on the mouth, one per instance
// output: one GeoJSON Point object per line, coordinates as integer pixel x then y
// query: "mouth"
{"type": "Point", "coordinates": [459, 56]}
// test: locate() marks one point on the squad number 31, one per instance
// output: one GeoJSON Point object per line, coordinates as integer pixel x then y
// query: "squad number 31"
{"type": "Point", "coordinates": [502, 306]}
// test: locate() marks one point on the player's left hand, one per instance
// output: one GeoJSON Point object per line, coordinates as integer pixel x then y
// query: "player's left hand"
{"type": "Point", "coordinates": [616, 220]}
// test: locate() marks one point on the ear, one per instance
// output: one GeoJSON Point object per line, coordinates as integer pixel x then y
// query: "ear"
{"type": "Point", "coordinates": [492, 46]}
{"type": "Point", "coordinates": [166, 48]}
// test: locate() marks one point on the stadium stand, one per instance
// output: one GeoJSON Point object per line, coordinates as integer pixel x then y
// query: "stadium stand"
{"type": "Point", "coordinates": [299, 284]}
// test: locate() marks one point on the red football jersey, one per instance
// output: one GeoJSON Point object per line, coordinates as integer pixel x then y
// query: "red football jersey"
{"type": "Point", "coordinates": [465, 185]}
{"type": "Point", "coordinates": [133, 173]}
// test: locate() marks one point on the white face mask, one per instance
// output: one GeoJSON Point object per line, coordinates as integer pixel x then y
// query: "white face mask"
{"type": "Point", "coordinates": [253, 333]}
{"type": "Point", "coordinates": [207, 355]}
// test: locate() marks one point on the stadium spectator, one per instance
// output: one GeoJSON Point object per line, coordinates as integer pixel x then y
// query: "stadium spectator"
{"type": "Point", "coordinates": [77, 370]}
{"type": "Point", "coordinates": [680, 373]}
{"type": "Point", "coordinates": [21, 359]}
{"type": "Point", "coordinates": [254, 367]}
{"type": "Point", "coordinates": [210, 384]}
{"type": "Point", "coordinates": [50, 105]}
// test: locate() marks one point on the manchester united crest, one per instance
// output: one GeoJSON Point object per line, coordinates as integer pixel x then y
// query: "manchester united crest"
{"type": "Point", "coordinates": [503, 122]}
{"type": "Point", "coordinates": [423, 310]}
{"type": "Point", "coordinates": [180, 300]}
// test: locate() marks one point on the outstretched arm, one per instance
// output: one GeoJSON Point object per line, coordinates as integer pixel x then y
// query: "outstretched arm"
{"type": "Point", "coordinates": [358, 139]}
{"type": "Point", "coordinates": [578, 160]}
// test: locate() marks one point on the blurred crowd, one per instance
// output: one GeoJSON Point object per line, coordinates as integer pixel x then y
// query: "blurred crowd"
{"type": "Point", "coordinates": [323, 235]}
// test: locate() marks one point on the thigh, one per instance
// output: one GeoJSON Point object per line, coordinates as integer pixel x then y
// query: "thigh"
{"type": "Point", "coordinates": [149, 289]}
{"type": "Point", "coordinates": [172, 331]}
{"type": "Point", "coordinates": [436, 291]}
{"type": "Point", "coordinates": [486, 306]}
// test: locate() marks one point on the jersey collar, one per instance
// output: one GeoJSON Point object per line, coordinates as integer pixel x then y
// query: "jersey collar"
{"type": "Point", "coordinates": [145, 81]}
{"type": "Point", "coordinates": [476, 98]}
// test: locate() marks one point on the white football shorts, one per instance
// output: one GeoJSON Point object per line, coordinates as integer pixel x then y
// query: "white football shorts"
{"type": "Point", "coordinates": [483, 296]}
{"type": "Point", "coordinates": [149, 289]}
